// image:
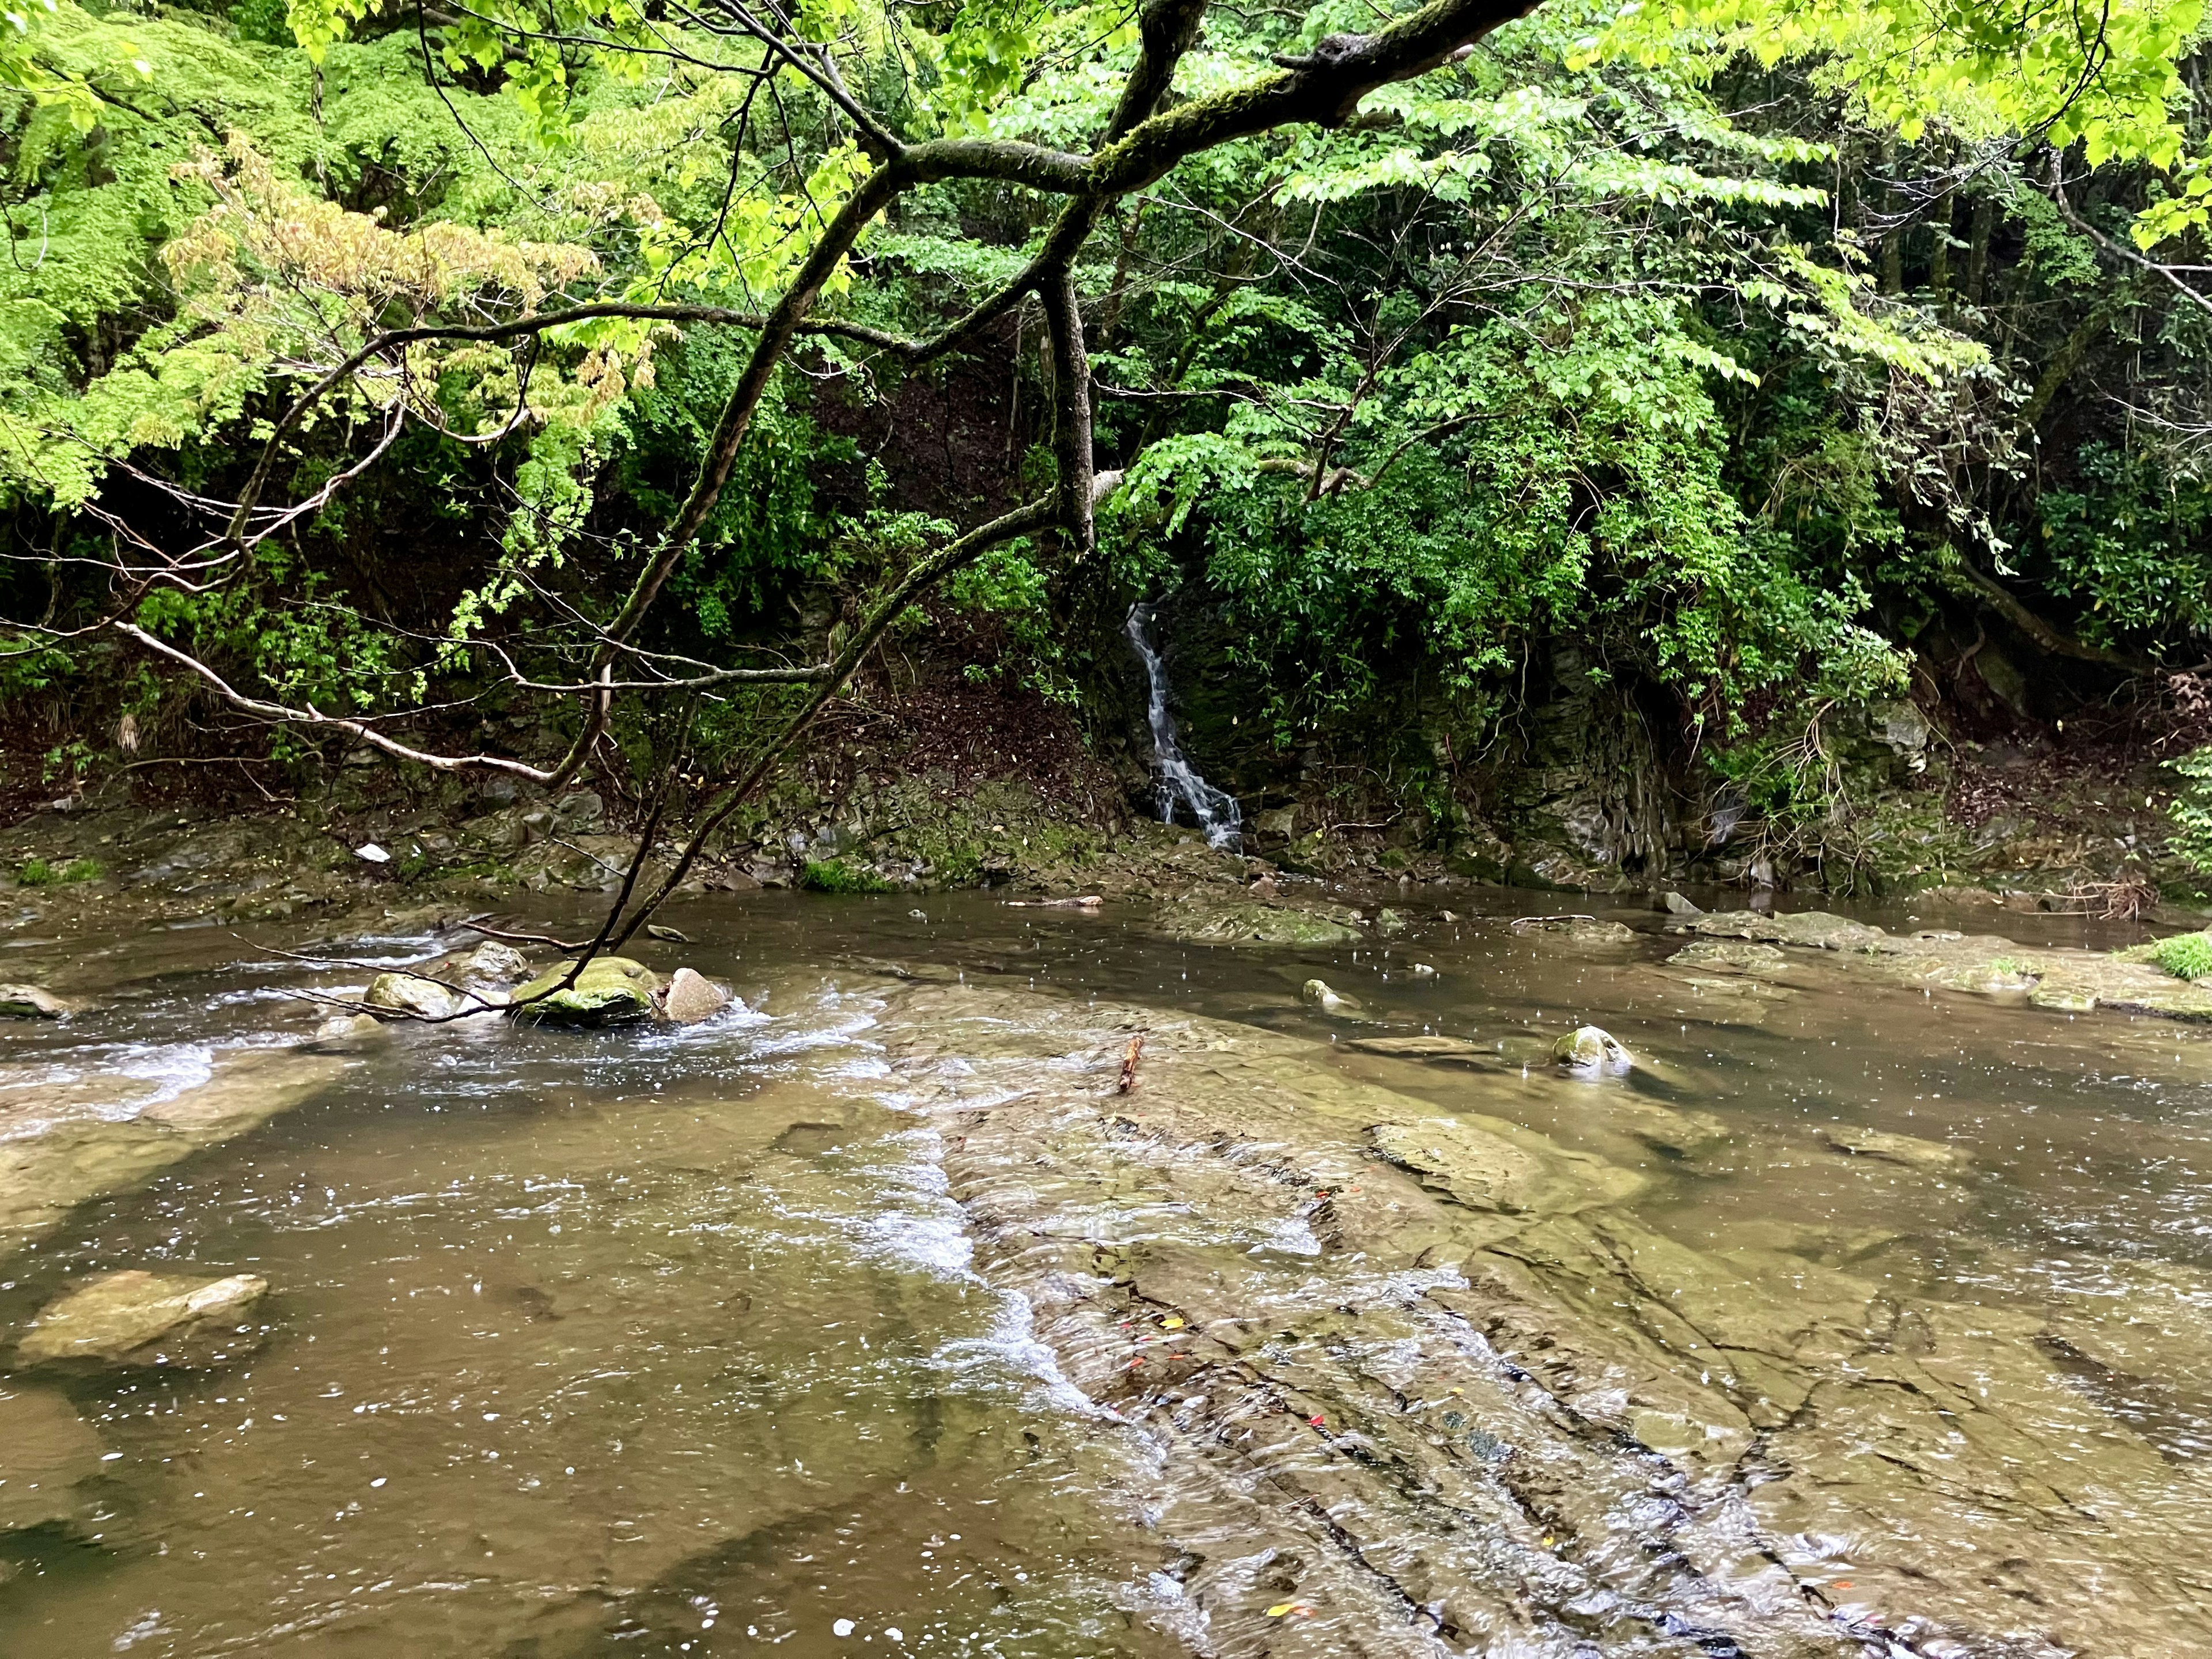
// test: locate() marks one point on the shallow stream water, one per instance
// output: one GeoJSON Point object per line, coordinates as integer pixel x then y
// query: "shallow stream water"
{"type": "Point", "coordinates": [749, 1336]}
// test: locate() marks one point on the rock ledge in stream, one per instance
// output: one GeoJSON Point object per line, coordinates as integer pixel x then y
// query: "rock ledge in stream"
{"type": "Point", "coordinates": [2071, 981]}
{"type": "Point", "coordinates": [139, 1318]}
{"type": "Point", "coordinates": [1252, 921]}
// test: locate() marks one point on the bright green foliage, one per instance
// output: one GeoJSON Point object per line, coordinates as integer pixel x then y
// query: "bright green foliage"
{"type": "Point", "coordinates": [2185, 956]}
{"type": "Point", "coordinates": [2192, 811]}
{"type": "Point", "coordinates": [1544, 349]}
{"type": "Point", "coordinates": [840, 876]}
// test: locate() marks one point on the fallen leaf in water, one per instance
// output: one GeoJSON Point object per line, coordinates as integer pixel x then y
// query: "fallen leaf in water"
{"type": "Point", "coordinates": [1172, 1323]}
{"type": "Point", "coordinates": [1280, 1609]}
{"type": "Point", "coordinates": [1317, 1420]}
{"type": "Point", "coordinates": [1843, 1583]}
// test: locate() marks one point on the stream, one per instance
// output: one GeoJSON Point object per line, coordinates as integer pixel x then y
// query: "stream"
{"type": "Point", "coordinates": [868, 1317]}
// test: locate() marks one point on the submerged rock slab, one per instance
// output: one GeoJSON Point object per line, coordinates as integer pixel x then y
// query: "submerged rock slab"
{"type": "Point", "coordinates": [139, 1318]}
{"type": "Point", "coordinates": [1439, 1362]}
{"type": "Point", "coordinates": [1910, 1150]}
{"type": "Point", "coordinates": [1256, 922]}
{"type": "Point", "coordinates": [47, 1452]}
{"type": "Point", "coordinates": [1462, 1051]}
{"type": "Point", "coordinates": [1738, 956]}
{"type": "Point", "coordinates": [61, 1146]}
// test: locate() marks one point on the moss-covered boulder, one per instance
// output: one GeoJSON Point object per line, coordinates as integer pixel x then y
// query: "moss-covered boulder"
{"type": "Point", "coordinates": [610, 991]}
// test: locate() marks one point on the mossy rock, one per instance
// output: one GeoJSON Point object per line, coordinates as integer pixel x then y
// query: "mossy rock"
{"type": "Point", "coordinates": [610, 991]}
{"type": "Point", "coordinates": [841, 875]}
{"type": "Point", "coordinates": [1591, 1051]}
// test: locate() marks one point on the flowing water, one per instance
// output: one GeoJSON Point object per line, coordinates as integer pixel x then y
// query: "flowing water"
{"type": "Point", "coordinates": [1213, 810]}
{"type": "Point", "coordinates": [872, 1319]}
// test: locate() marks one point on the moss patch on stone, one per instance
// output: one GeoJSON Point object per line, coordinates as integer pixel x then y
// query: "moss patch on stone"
{"type": "Point", "coordinates": [610, 991]}
{"type": "Point", "coordinates": [840, 876]}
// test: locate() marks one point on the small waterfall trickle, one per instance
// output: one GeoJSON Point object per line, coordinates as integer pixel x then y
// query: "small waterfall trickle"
{"type": "Point", "coordinates": [1213, 810]}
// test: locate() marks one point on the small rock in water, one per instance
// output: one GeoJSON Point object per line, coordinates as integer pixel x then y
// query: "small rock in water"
{"type": "Point", "coordinates": [139, 1318]}
{"type": "Point", "coordinates": [666, 935]}
{"type": "Point", "coordinates": [402, 996]}
{"type": "Point", "coordinates": [1423, 970]}
{"type": "Point", "coordinates": [488, 963]}
{"type": "Point", "coordinates": [1387, 920]}
{"type": "Point", "coordinates": [1317, 991]}
{"type": "Point", "coordinates": [1678, 906]}
{"type": "Point", "coordinates": [691, 997]}
{"type": "Point", "coordinates": [369, 852]}
{"type": "Point", "coordinates": [30, 1002]}
{"type": "Point", "coordinates": [1591, 1049]}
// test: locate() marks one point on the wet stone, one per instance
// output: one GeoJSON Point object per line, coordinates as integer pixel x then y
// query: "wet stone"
{"type": "Point", "coordinates": [30, 1002]}
{"type": "Point", "coordinates": [1591, 1051]}
{"type": "Point", "coordinates": [1322, 995]}
{"type": "Point", "coordinates": [405, 996]}
{"type": "Point", "coordinates": [691, 997]}
{"type": "Point", "coordinates": [140, 1318]}
{"type": "Point", "coordinates": [1462, 1051]}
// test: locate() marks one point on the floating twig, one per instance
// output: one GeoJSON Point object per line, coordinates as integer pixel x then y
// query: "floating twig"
{"type": "Point", "coordinates": [1129, 1058]}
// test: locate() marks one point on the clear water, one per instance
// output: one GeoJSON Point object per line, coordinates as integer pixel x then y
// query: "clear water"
{"type": "Point", "coordinates": [679, 1343]}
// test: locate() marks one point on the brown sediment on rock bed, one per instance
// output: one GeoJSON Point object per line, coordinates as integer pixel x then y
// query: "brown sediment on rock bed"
{"type": "Point", "coordinates": [1443, 1379]}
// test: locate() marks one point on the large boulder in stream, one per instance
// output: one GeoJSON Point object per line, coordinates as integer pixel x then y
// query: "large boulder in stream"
{"type": "Point", "coordinates": [1200, 920]}
{"type": "Point", "coordinates": [139, 1318]}
{"type": "Point", "coordinates": [692, 996]}
{"type": "Point", "coordinates": [609, 991]}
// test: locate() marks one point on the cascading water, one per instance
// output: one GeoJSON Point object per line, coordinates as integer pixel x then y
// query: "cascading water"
{"type": "Point", "coordinates": [1213, 810]}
